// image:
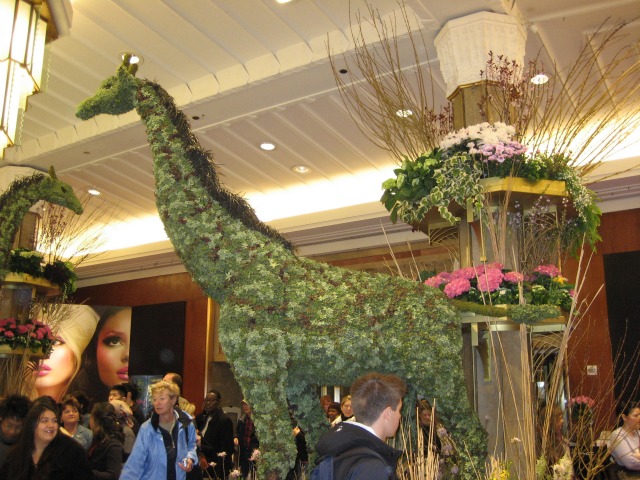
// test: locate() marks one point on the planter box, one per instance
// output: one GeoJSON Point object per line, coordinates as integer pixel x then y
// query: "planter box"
{"type": "Point", "coordinates": [6, 351]}
{"type": "Point", "coordinates": [521, 185]}
{"type": "Point", "coordinates": [18, 291]}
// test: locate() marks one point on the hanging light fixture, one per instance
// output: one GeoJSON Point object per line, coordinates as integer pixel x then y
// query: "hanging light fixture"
{"type": "Point", "coordinates": [25, 27]}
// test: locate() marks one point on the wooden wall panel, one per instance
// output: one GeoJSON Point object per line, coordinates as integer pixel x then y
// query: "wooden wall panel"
{"type": "Point", "coordinates": [590, 344]}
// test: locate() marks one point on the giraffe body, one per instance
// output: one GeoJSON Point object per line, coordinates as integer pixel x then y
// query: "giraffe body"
{"type": "Point", "coordinates": [289, 324]}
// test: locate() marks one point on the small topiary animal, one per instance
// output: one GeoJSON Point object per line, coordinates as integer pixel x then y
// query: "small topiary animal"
{"type": "Point", "coordinates": [21, 195]}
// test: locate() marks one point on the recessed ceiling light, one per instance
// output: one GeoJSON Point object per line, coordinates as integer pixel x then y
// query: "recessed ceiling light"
{"type": "Point", "coordinates": [93, 191]}
{"type": "Point", "coordinates": [300, 169]}
{"type": "Point", "coordinates": [268, 146]}
{"type": "Point", "coordinates": [404, 113]}
{"type": "Point", "coordinates": [539, 79]}
{"type": "Point", "coordinates": [282, 2]}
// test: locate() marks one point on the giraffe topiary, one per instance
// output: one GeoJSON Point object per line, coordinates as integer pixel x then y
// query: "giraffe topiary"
{"type": "Point", "coordinates": [289, 324]}
{"type": "Point", "coordinates": [21, 195]}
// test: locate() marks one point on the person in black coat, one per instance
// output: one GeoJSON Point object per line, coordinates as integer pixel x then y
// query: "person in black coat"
{"type": "Point", "coordinates": [246, 439]}
{"type": "Point", "coordinates": [216, 436]}
{"type": "Point", "coordinates": [358, 450]}
{"type": "Point", "coordinates": [44, 453]}
{"type": "Point", "coordinates": [106, 451]}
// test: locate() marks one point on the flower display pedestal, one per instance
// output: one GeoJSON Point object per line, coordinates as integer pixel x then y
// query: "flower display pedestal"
{"type": "Point", "coordinates": [18, 292]}
{"type": "Point", "coordinates": [6, 351]}
{"type": "Point", "coordinates": [494, 362]}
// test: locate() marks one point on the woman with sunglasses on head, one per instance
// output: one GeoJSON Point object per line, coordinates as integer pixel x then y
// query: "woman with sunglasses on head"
{"type": "Point", "coordinates": [42, 452]}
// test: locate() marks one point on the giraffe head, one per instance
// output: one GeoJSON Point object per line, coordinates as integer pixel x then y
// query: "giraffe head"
{"type": "Point", "coordinates": [116, 94]}
{"type": "Point", "coordinates": [55, 191]}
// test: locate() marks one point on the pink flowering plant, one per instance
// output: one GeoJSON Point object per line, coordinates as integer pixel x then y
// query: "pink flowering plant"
{"type": "Point", "coordinates": [492, 284]}
{"type": "Point", "coordinates": [32, 334]}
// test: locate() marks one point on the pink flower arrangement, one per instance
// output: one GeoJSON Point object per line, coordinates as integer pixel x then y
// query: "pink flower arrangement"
{"type": "Point", "coordinates": [457, 287]}
{"type": "Point", "coordinates": [501, 151]}
{"type": "Point", "coordinates": [255, 456]}
{"type": "Point", "coordinates": [582, 401]}
{"type": "Point", "coordinates": [492, 284]}
{"type": "Point", "coordinates": [548, 270]}
{"type": "Point", "coordinates": [513, 277]}
{"type": "Point", "coordinates": [33, 334]}
{"type": "Point", "coordinates": [490, 280]}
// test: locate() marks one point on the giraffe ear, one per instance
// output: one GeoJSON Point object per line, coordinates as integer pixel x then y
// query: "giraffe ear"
{"type": "Point", "coordinates": [132, 68]}
{"type": "Point", "coordinates": [52, 173]}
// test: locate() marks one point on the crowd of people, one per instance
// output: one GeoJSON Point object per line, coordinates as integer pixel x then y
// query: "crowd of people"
{"type": "Point", "coordinates": [48, 440]}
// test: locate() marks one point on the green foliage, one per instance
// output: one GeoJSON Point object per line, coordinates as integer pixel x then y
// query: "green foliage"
{"type": "Point", "coordinates": [440, 178]}
{"type": "Point", "coordinates": [527, 314]}
{"type": "Point", "coordinates": [32, 263]}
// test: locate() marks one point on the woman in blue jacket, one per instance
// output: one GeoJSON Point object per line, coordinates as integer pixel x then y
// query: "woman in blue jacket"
{"type": "Point", "coordinates": [165, 446]}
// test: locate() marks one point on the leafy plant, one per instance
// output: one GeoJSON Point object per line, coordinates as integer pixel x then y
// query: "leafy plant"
{"type": "Point", "coordinates": [452, 172]}
{"type": "Point", "coordinates": [32, 263]}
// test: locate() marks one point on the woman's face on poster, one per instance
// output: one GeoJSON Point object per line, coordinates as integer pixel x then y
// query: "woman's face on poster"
{"type": "Point", "coordinates": [112, 351]}
{"type": "Point", "coordinates": [57, 370]}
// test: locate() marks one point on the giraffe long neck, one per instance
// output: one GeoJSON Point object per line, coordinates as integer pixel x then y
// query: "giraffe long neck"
{"type": "Point", "coordinates": [14, 205]}
{"type": "Point", "coordinates": [213, 230]}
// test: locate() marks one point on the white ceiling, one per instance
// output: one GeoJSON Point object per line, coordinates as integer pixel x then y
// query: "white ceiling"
{"type": "Point", "coordinates": [250, 70]}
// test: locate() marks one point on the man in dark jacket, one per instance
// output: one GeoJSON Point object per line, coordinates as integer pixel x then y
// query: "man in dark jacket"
{"type": "Point", "coordinates": [13, 410]}
{"type": "Point", "coordinates": [216, 437]}
{"type": "Point", "coordinates": [359, 449]}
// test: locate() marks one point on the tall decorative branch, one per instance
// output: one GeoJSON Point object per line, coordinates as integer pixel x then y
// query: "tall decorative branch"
{"type": "Point", "coordinates": [584, 112]}
{"type": "Point", "coordinates": [382, 88]}
{"type": "Point", "coordinates": [73, 238]}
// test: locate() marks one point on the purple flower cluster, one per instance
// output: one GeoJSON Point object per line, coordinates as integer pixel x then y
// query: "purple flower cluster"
{"type": "Point", "coordinates": [501, 151]}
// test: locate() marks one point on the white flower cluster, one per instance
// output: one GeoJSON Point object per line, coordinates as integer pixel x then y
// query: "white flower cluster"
{"type": "Point", "coordinates": [482, 133]}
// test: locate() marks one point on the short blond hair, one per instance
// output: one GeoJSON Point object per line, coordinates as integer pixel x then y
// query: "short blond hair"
{"type": "Point", "coordinates": [174, 390]}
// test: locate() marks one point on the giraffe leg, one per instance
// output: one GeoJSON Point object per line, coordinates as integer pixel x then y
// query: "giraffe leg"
{"type": "Point", "coordinates": [303, 399]}
{"type": "Point", "coordinates": [264, 376]}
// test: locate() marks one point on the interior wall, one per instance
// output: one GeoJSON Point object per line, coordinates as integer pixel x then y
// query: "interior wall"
{"type": "Point", "coordinates": [591, 345]}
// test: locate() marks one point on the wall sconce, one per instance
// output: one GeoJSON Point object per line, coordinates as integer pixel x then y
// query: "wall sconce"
{"type": "Point", "coordinates": [25, 27]}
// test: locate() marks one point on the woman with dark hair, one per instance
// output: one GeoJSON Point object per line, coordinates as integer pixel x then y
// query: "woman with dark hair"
{"type": "Point", "coordinates": [105, 361]}
{"type": "Point", "coordinates": [106, 451]}
{"type": "Point", "coordinates": [624, 442]}
{"type": "Point", "coordinates": [44, 453]}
